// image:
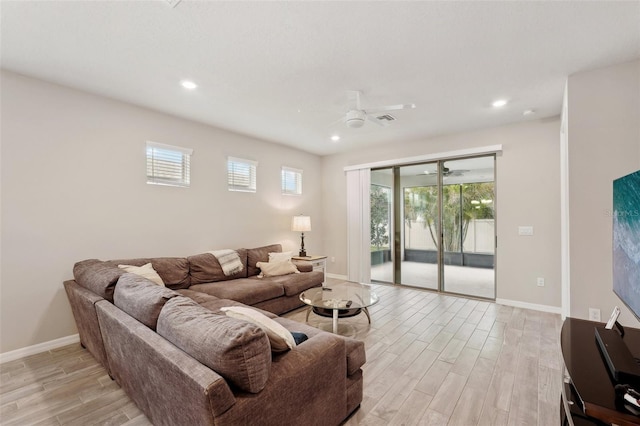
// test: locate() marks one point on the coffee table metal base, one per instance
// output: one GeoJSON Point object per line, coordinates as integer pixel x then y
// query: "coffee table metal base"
{"type": "Point", "coordinates": [337, 313]}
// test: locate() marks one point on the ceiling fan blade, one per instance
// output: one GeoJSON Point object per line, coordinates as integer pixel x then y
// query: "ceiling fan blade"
{"type": "Point", "coordinates": [390, 108]}
{"type": "Point", "coordinates": [335, 122]}
{"type": "Point", "coordinates": [354, 96]}
{"type": "Point", "coordinates": [378, 122]}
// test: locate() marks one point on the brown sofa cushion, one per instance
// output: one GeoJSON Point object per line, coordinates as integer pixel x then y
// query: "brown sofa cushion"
{"type": "Point", "coordinates": [260, 254]}
{"type": "Point", "coordinates": [356, 355]}
{"type": "Point", "coordinates": [214, 304]}
{"type": "Point", "coordinates": [141, 298]}
{"type": "Point", "coordinates": [174, 271]}
{"type": "Point", "coordinates": [97, 276]}
{"type": "Point", "coordinates": [235, 349]}
{"type": "Point", "coordinates": [244, 290]}
{"type": "Point", "coordinates": [294, 284]}
{"type": "Point", "coordinates": [205, 268]}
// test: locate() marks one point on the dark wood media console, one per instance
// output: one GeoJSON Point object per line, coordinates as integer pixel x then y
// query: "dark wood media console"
{"type": "Point", "coordinates": [588, 394]}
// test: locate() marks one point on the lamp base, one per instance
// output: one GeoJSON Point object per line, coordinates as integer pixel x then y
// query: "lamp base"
{"type": "Point", "coordinates": [303, 253]}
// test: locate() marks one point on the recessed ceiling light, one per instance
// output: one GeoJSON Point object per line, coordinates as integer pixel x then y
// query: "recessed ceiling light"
{"type": "Point", "coordinates": [528, 112]}
{"type": "Point", "coordinates": [187, 84]}
{"type": "Point", "coordinates": [335, 138]}
{"type": "Point", "coordinates": [499, 103]}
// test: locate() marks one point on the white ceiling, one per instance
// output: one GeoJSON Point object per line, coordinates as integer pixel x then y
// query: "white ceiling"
{"type": "Point", "coordinates": [280, 70]}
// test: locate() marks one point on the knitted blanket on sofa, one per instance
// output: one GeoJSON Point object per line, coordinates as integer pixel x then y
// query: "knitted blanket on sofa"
{"type": "Point", "coordinates": [229, 261]}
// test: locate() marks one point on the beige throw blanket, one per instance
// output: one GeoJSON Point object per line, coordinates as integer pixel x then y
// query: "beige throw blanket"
{"type": "Point", "coordinates": [229, 261]}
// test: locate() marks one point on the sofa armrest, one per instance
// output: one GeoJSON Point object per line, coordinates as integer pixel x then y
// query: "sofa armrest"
{"type": "Point", "coordinates": [356, 355]}
{"type": "Point", "coordinates": [82, 302]}
{"type": "Point", "coordinates": [168, 385]}
{"type": "Point", "coordinates": [307, 385]}
{"type": "Point", "coordinates": [303, 265]}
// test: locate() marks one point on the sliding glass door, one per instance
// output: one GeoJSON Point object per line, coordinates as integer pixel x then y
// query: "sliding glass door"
{"type": "Point", "coordinates": [433, 226]}
{"type": "Point", "coordinates": [420, 242]}
{"type": "Point", "coordinates": [468, 226]}
{"type": "Point", "coordinates": [381, 225]}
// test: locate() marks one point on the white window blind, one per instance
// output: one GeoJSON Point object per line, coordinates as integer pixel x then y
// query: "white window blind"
{"type": "Point", "coordinates": [291, 181]}
{"type": "Point", "coordinates": [241, 174]}
{"type": "Point", "coordinates": [168, 165]}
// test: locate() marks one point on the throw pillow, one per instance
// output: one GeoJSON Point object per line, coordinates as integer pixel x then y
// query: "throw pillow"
{"type": "Point", "coordinates": [299, 337]}
{"type": "Point", "coordinates": [145, 271]}
{"type": "Point", "coordinates": [280, 257]}
{"type": "Point", "coordinates": [269, 269]}
{"type": "Point", "coordinates": [280, 338]}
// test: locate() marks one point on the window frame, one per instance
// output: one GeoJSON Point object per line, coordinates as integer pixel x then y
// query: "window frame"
{"type": "Point", "coordinates": [297, 180]}
{"type": "Point", "coordinates": [252, 178]}
{"type": "Point", "coordinates": [181, 170]}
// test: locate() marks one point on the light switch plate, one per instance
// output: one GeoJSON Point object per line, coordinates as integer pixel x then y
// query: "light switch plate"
{"type": "Point", "coordinates": [525, 230]}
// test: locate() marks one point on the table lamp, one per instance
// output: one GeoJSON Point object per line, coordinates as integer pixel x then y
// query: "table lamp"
{"type": "Point", "coordinates": [301, 224]}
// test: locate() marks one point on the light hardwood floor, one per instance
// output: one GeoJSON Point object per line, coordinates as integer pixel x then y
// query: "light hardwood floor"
{"type": "Point", "coordinates": [431, 360]}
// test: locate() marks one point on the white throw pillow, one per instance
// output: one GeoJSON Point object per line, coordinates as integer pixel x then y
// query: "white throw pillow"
{"type": "Point", "coordinates": [146, 271]}
{"type": "Point", "coordinates": [279, 337]}
{"type": "Point", "coordinates": [280, 257]}
{"type": "Point", "coordinates": [275, 269]}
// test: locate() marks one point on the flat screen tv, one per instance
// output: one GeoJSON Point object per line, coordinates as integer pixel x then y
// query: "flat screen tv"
{"type": "Point", "coordinates": [626, 240]}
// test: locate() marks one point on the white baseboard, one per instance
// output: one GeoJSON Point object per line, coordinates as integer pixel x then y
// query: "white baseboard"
{"type": "Point", "coordinates": [336, 276]}
{"type": "Point", "coordinates": [533, 306]}
{"type": "Point", "coordinates": [40, 347]}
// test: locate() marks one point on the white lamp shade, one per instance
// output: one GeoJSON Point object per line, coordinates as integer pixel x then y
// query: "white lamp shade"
{"type": "Point", "coordinates": [301, 223]}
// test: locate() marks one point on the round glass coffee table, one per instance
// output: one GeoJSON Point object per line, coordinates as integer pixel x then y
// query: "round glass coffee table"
{"type": "Point", "coordinates": [341, 300]}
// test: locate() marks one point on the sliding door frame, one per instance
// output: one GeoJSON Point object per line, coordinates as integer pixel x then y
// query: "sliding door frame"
{"type": "Point", "coordinates": [398, 221]}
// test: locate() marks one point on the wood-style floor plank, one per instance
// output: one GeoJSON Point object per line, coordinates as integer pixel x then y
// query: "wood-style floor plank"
{"type": "Point", "coordinates": [432, 359]}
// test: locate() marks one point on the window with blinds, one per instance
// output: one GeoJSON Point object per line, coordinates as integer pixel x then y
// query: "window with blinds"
{"type": "Point", "coordinates": [168, 165]}
{"type": "Point", "coordinates": [291, 181]}
{"type": "Point", "coordinates": [241, 174]}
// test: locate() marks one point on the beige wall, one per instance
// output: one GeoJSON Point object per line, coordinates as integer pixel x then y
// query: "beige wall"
{"type": "Point", "coordinates": [528, 193]}
{"type": "Point", "coordinates": [604, 144]}
{"type": "Point", "coordinates": [74, 187]}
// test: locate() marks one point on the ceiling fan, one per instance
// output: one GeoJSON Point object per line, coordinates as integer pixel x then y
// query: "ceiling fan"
{"type": "Point", "coordinates": [448, 172]}
{"type": "Point", "coordinates": [357, 115]}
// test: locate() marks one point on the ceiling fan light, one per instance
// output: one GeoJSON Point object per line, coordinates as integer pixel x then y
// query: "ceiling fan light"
{"type": "Point", "coordinates": [355, 119]}
{"type": "Point", "coordinates": [355, 123]}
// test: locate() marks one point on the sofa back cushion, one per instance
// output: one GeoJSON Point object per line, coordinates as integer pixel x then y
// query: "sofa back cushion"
{"type": "Point", "coordinates": [205, 268]}
{"type": "Point", "coordinates": [141, 298]}
{"type": "Point", "coordinates": [260, 254]}
{"type": "Point", "coordinates": [174, 271]}
{"type": "Point", "coordinates": [237, 350]}
{"type": "Point", "coordinates": [98, 276]}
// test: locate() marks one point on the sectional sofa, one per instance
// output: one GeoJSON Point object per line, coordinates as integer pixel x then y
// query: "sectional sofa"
{"type": "Point", "coordinates": [182, 360]}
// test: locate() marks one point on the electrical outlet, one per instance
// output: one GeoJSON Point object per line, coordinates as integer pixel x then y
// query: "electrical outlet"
{"type": "Point", "coordinates": [540, 282]}
{"type": "Point", "coordinates": [333, 259]}
{"type": "Point", "coordinates": [594, 314]}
